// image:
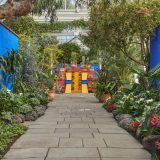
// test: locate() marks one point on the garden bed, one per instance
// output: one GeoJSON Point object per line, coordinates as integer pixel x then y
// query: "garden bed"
{"type": "Point", "coordinates": [10, 132]}
{"type": "Point", "coordinates": [16, 109]}
{"type": "Point", "coordinates": [133, 127]}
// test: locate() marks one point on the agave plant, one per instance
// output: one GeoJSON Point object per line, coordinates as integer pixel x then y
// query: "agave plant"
{"type": "Point", "coordinates": [2, 70]}
{"type": "Point", "coordinates": [9, 67]}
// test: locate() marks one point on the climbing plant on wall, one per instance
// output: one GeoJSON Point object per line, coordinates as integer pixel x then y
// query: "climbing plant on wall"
{"type": "Point", "coordinates": [26, 25]}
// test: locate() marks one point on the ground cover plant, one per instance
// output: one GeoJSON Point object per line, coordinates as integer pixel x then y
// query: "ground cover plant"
{"type": "Point", "coordinates": [8, 134]}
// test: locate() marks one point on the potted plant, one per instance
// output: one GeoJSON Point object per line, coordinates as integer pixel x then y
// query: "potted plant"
{"type": "Point", "coordinates": [51, 92]}
{"type": "Point", "coordinates": [102, 93]}
{"type": "Point", "coordinates": [105, 85]}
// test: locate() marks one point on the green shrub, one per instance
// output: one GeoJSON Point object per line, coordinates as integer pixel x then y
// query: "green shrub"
{"type": "Point", "coordinates": [25, 109]}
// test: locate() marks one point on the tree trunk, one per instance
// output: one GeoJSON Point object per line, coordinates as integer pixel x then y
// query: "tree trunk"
{"type": "Point", "coordinates": [15, 8]}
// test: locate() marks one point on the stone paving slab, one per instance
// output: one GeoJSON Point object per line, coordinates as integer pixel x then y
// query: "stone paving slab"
{"type": "Point", "coordinates": [49, 126]}
{"type": "Point", "coordinates": [50, 119]}
{"type": "Point", "coordinates": [103, 120]}
{"type": "Point", "coordinates": [76, 130]}
{"type": "Point", "coordinates": [124, 153]}
{"type": "Point", "coordinates": [103, 126]}
{"type": "Point", "coordinates": [36, 141]}
{"type": "Point", "coordinates": [92, 142]}
{"type": "Point", "coordinates": [27, 153]}
{"type": "Point", "coordinates": [128, 143]}
{"type": "Point", "coordinates": [76, 122]}
{"type": "Point", "coordinates": [123, 159]}
{"type": "Point", "coordinates": [79, 125]}
{"type": "Point", "coordinates": [112, 130]}
{"type": "Point", "coordinates": [40, 131]}
{"type": "Point", "coordinates": [70, 142]}
{"type": "Point", "coordinates": [113, 136]}
{"type": "Point", "coordinates": [76, 127]}
{"type": "Point", "coordinates": [25, 159]}
{"type": "Point", "coordinates": [72, 119]}
{"type": "Point", "coordinates": [73, 153]}
{"type": "Point", "coordinates": [81, 135]}
{"type": "Point", "coordinates": [44, 123]}
{"type": "Point", "coordinates": [73, 159]}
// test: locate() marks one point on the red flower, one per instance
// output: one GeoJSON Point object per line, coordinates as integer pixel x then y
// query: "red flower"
{"type": "Point", "coordinates": [135, 124]}
{"type": "Point", "coordinates": [154, 120]}
{"type": "Point", "coordinates": [110, 107]}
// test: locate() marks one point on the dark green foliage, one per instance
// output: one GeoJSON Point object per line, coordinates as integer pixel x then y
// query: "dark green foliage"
{"type": "Point", "coordinates": [16, 103]}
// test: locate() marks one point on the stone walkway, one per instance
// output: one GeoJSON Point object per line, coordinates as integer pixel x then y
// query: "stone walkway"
{"type": "Point", "coordinates": [75, 127]}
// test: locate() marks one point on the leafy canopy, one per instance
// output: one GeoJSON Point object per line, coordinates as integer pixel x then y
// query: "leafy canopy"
{"type": "Point", "coordinates": [125, 27]}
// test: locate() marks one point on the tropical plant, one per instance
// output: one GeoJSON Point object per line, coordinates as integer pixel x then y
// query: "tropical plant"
{"type": "Point", "coordinates": [148, 79]}
{"type": "Point", "coordinates": [106, 82]}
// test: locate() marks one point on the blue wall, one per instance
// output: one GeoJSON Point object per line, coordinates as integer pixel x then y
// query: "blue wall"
{"type": "Point", "coordinates": [155, 49]}
{"type": "Point", "coordinates": [8, 42]}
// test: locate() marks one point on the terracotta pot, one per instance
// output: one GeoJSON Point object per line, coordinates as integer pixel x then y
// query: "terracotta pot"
{"type": "Point", "coordinates": [51, 95]}
{"type": "Point", "coordinates": [103, 98]}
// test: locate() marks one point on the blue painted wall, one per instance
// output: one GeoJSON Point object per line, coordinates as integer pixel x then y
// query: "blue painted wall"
{"type": "Point", "coordinates": [8, 42]}
{"type": "Point", "coordinates": [155, 49]}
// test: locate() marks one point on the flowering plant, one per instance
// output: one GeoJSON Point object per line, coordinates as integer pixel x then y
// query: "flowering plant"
{"type": "Point", "coordinates": [150, 124]}
{"type": "Point", "coordinates": [135, 124]}
{"type": "Point", "coordinates": [133, 127]}
{"type": "Point", "coordinates": [154, 120]}
{"type": "Point", "coordinates": [110, 107]}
